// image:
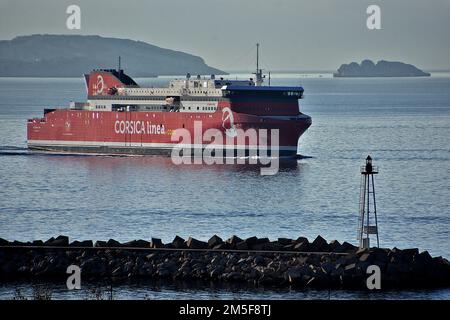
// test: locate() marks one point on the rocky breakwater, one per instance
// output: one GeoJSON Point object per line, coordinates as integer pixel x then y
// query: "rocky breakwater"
{"type": "Point", "coordinates": [284, 262]}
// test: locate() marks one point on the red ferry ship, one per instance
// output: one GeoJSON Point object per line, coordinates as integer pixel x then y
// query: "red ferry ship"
{"type": "Point", "coordinates": [120, 117]}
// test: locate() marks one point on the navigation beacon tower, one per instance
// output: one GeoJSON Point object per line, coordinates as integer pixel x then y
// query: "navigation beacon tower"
{"type": "Point", "coordinates": [367, 222]}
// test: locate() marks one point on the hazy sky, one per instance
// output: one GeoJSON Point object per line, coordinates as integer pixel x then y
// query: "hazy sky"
{"type": "Point", "coordinates": [294, 34]}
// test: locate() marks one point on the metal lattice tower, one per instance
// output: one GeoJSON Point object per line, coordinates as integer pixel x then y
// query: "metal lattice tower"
{"type": "Point", "coordinates": [368, 221]}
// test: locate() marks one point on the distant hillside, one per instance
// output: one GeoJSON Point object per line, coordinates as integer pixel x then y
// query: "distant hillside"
{"type": "Point", "coordinates": [73, 55]}
{"type": "Point", "coordinates": [381, 69]}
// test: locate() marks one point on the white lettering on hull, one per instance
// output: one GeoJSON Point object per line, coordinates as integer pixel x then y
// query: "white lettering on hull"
{"type": "Point", "coordinates": [138, 127]}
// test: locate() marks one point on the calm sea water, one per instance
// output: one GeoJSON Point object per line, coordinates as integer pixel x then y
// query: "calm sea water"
{"type": "Point", "coordinates": [403, 123]}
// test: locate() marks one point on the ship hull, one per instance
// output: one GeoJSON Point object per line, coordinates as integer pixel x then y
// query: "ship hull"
{"type": "Point", "coordinates": [147, 133]}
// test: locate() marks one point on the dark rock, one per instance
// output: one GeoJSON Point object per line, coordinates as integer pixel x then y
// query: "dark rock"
{"type": "Point", "coordinates": [117, 272]}
{"type": "Point", "coordinates": [85, 243]}
{"type": "Point", "coordinates": [275, 246]}
{"type": "Point", "coordinates": [251, 241]}
{"type": "Point", "coordinates": [100, 244]}
{"type": "Point", "coordinates": [196, 244]}
{"type": "Point", "coordinates": [380, 255]}
{"type": "Point", "coordinates": [151, 256]}
{"type": "Point", "coordinates": [259, 261]}
{"type": "Point", "coordinates": [361, 251]}
{"type": "Point", "coordinates": [408, 255]}
{"type": "Point", "coordinates": [60, 241]}
{"type": "Point", "coordinates": [4, 242]}
{"type": "Point", "coordinates": [260, 244]}
{"type": "Point", "coordinates": [285, 241]}
{"type": "Point", "coordinates": [288, 247]}
{"type": "Point", "coordinates": [177, 243]}
{"type": "Point", "coordinates": [348, 247]}
{"type": "Point", "coordinates": [49, 241]}
{"type": "Point", "coordinates": [294, 275]}
{"type": "Point", "coordinates": [366, 257]}
{"type": "Point", "coordinates": [241, 246]}
{"type": "Point", "coordinates": [425, 257]}
{"type": "Point", "coordinates": [113, 243]}
{"type": "Point", "coordinates": [394, 256]}
{"type": "Point", "coordinates": [302, 240]}
{"type": "Point", "coordinates": [222, 246]}
{"type": "Point", "coordinates": [214, 241]}
{"type": "Point", "coordinates": [215, 273]}
{"type": "Point", "coordinates": [157, 243]}
{"type": "Point", "coordinates": [37, 243]}
{"type": "Point", "coordinates": [302, 247]}
{"type": "Point", "coordinates": [234, 275]}
{"type": "Point", "coordinates": [319, 244]}
{"type": "Point", "coordinates": [233, 241]}
{"type": "Point", "coordinates": [137, 244]}
{"type": "Point", "coordinates": [166, 269]}
{"type": "Point", "coordinates": [334, 246]}
{"type": "Point", "coordinates": [351, 268]}
{"type": "Point", "coordinates": [327, 268]}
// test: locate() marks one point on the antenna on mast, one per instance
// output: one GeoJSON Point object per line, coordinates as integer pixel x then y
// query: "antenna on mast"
{"type": "Point", "coordinates": [257, 58]}
{"type": "Point", "coordinates": [259, 77]}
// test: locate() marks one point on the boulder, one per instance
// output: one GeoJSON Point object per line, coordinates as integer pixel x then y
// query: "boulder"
{"type": "Point", "coordinates": [100, 244]}
{"type": "Point", "coordinates": [361, 251]}
{"type": "Point", "coordinates": [285, 241]}
{"type": "Point", "coordinates": [275, 246]}
{"type": "Point", "coordinates": [327, 268]}
{"type": "Point", "coordinates": [425, 257]}
{"type": "Point", "coordinates": [233, 241]}
{"type": "Point", "coordinates": [18, 243]}
{"type": "Point", "coordinates": [49, 241]}
{"type": "Point", "coordinates": [177, 243]}
{"type": "Point", "coordinates": [319, 244]}
{"type": "Point", "coordinates": [302, 240]}
{"type": "Point", "coordinates": [157, 243]}
{"type": "Point", "coordinates": [335, 246]}
{"type": "Point", "coordinates": [259, 261]}
{"type": "Point", "coordinates": [302, 247]}
{"type": "Point", "coordinates": [408, 255]}
{"type": "Point", "coordinates": [137, 244]}
{"type": "Point", "coordinates": [380, 255]}
{"type": "Point", "coordinates": [350, 269]}
{"type": "Point", "coordinates": [85, 243]}
{"type": "Point", "coordinates": [196, 244]}
{"type": "Point", "coordinates": [214, 241]}
{"type": "Point", "coordinates": [259, 244]}
{"type": "Point", "coordinates": [366, 257]}
{"type": "Point", "coordinates": [251, 241]}
{"type": "Point", "coordinates": [348, 247]}
{"type": "Point", "coordinates": [222, 246]}
{"type": "Point", "coordinates": [241, 246]}
{"type": "Point", "coordinates": [113, 243]}
{"type": "Point", "coordinates": [37, 243]}
{"type": "Point", "coordinates": [288, 247]}
{"type": "Point", "coordinates": [60, 241]}
{"type": "Point", "coordinates": [294, 275]}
